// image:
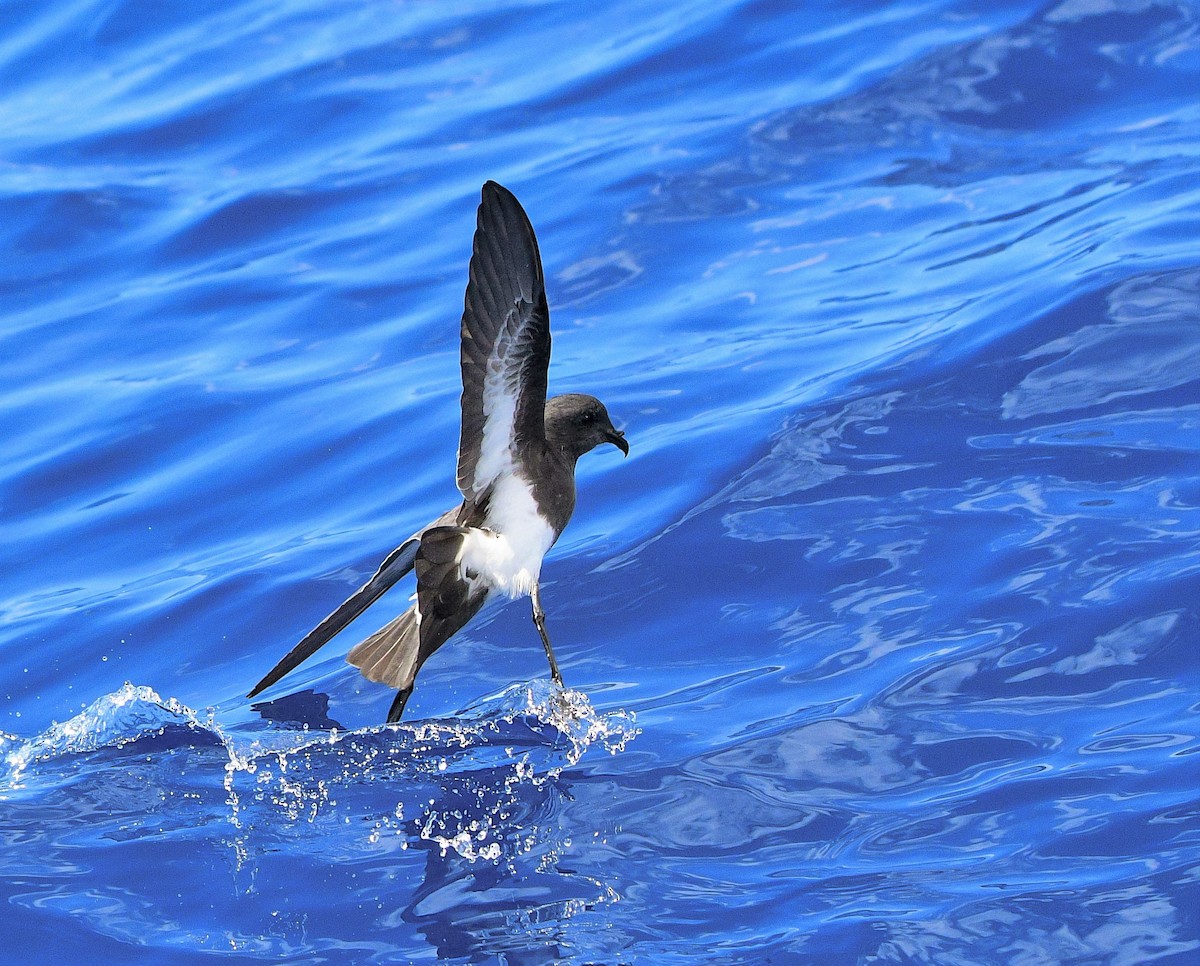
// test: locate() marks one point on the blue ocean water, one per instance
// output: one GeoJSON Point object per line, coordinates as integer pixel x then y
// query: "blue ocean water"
{"type": "Point", "coordinates": [883, 643]}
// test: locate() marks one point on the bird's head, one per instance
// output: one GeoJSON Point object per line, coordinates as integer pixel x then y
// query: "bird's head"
{"type": "Point", "coordinates": [579, 423]}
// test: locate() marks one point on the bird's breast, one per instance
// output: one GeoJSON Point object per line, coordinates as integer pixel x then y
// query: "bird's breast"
{"type": "Point", "coordinates": [507, 552]}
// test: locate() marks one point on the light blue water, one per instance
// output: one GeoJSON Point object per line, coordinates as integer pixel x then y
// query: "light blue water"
{"type": "Point", "coordinates": [885, 638]}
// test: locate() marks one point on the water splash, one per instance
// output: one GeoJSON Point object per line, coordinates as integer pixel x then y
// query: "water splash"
{"type": "Point", "coordinates": [112, 721]}
{"type": "Point", "coordinates": [465, 784]}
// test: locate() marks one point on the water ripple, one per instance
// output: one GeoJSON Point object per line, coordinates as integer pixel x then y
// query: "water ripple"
{"type": "Point", "coordinates": [898, 304]}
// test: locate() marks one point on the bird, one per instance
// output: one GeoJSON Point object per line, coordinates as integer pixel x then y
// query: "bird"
{"type": "Point", "coordinates": [517, 453]}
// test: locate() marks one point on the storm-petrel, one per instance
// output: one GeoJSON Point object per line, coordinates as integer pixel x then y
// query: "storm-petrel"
{"type": "Point", "coordinates": [516, 469]}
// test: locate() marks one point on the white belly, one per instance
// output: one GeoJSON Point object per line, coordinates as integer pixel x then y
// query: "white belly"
{"type": "Point", "coordinates": [508, 554]}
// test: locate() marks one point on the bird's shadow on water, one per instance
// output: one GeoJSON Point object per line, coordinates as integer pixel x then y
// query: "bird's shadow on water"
{"type": "Point", "coordinates": [306, 709]}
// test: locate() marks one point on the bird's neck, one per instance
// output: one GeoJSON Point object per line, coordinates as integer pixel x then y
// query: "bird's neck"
{"type": "Point", "coordinates": [551, 472]}
{"type": "Point", "coordinates": [563, 447]}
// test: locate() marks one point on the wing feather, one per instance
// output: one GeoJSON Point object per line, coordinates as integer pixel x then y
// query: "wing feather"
{"type": "Point", "coordinates": [398, 563]}
{"type": "Point", "coordinates": [505, 344]}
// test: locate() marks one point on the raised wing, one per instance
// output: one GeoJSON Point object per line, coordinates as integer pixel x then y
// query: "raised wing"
{"type": "Point", "coordinates": [505, 344]}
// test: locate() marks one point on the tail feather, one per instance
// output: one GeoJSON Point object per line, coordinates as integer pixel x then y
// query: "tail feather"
{"type": "Point", "coordinates": [391, 655]}
{"type": "Point", "coordinates": [445, 602]}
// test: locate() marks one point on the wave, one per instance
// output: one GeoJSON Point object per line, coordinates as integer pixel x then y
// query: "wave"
{"type": "Point", "coordinates": [274, 779]}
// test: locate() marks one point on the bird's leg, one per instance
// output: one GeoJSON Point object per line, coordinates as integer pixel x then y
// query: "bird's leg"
{"type": "Point", "coordinates": [398, 704]}
{"type": "Point", "coordinates": [539, 621]}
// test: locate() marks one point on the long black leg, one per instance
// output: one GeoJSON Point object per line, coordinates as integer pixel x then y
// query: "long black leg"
{"type": "Point", "coordinates": [398, 704]}
{"type": "Point", "coordinates": [539, 621]}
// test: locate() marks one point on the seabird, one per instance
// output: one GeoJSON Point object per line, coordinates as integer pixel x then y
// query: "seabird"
{"type": "Point", "coordinates": [516, 470]}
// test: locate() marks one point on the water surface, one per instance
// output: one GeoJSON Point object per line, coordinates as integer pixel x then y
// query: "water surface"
{"type": "Point", "coordinates": [883, 643]}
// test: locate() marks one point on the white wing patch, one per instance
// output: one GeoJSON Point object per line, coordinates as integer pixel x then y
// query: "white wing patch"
{"type": "Point", "coordinates": [499, 413]}
{"type": "Point", "coordinates": [508, 553]}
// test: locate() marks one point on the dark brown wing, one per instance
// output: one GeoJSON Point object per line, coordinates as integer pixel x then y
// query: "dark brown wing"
{"type": "Point", "coordinates": [505, 343]}
{"type": "Point", "coordinates": [398, 563]}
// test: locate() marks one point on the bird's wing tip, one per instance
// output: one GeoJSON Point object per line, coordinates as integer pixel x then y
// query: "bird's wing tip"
{"type": "Point", "coordinates": [494, 191]}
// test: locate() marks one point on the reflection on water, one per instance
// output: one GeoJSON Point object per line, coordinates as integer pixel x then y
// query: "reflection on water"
{"type": "Point", "coordinates": [1153, 327]}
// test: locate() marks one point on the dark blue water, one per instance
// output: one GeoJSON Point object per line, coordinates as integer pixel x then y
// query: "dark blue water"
{"type": "Point", "coordinates": [885, 640]}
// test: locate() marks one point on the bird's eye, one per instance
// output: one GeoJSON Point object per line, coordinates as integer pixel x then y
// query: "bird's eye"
{"type": "Point", "coordinates": [589, 418]}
